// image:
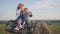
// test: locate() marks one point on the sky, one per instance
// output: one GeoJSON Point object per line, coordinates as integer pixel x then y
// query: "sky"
{"type": "Point", "coordinates": [41, 9]}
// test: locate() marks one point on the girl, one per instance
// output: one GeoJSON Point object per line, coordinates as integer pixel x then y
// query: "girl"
{"type": "Point", "coordinates": [19, 13]}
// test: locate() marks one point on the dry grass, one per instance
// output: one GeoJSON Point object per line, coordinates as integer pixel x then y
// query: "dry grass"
{"type": "Point", "coordinates": [37, 29]}
{"type": "Point", "coordinates": [41, 28]}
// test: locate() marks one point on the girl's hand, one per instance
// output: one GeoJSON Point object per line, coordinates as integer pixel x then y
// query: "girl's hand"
{"type": "Point", "coordinates": [22, 9]}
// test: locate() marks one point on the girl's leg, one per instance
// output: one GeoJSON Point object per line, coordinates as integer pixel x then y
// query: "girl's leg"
{"type": "Point", "coordinates": [19, 23]}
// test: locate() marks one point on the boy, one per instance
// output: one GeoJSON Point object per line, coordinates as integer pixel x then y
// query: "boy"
{"type": "Point", "coordinates": [26, 16]}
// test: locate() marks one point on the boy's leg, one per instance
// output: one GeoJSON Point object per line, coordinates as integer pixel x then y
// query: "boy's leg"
{"type": "Point", "coordinates": [28, 23]}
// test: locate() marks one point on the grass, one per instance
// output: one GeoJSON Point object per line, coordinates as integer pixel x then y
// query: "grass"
{"type": "Point", "coordinates": [2, 30]}
{"type": "Point", "coordinates": [53, 27]}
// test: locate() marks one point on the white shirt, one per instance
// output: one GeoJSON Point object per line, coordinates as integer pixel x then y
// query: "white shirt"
{"type": "Point", "coordinates": [18, 13]}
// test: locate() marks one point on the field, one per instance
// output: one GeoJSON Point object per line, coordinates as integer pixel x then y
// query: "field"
{"type": "Point", "coordinates": [54, 27]}
{"type": "Point", "coordinates": [2, 30]}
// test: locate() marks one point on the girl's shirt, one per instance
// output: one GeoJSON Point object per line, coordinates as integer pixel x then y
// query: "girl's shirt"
{"type": "Point", "coordinates": [19, 14]}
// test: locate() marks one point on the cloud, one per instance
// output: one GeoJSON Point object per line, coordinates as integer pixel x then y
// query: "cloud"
{"type": "Point", "coordinates": [45, 9]}
{"type": "Point", "coordinates": [41, 9]}
{"type": "Point", "coordinates": [45, 4]}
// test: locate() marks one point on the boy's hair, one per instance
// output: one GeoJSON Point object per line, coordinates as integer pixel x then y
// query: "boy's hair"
{"type": "Point", "coordinates": [25, 9]}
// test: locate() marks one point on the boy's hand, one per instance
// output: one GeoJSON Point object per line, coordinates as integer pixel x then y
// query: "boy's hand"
{"type": "Point", "coordinates": [30, 12]}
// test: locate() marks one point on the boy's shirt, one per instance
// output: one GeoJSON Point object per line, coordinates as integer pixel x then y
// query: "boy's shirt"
{"type": "Point", "coordinates": [26, 16]}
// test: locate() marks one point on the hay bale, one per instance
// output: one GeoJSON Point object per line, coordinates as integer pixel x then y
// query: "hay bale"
{"type": "Point", "coordinates": [41, 28]}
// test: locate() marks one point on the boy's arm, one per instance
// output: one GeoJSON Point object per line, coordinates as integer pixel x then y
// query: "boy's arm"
{"type": "Point", "coordinates": [30, 14]}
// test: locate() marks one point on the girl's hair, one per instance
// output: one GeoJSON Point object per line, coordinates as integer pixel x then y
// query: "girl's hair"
{"type": "Point", "coordinates": [20, 4]}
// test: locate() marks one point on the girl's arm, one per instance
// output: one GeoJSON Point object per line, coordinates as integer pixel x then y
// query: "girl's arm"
{"type": "Point", "coordinates": [17, 12]}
